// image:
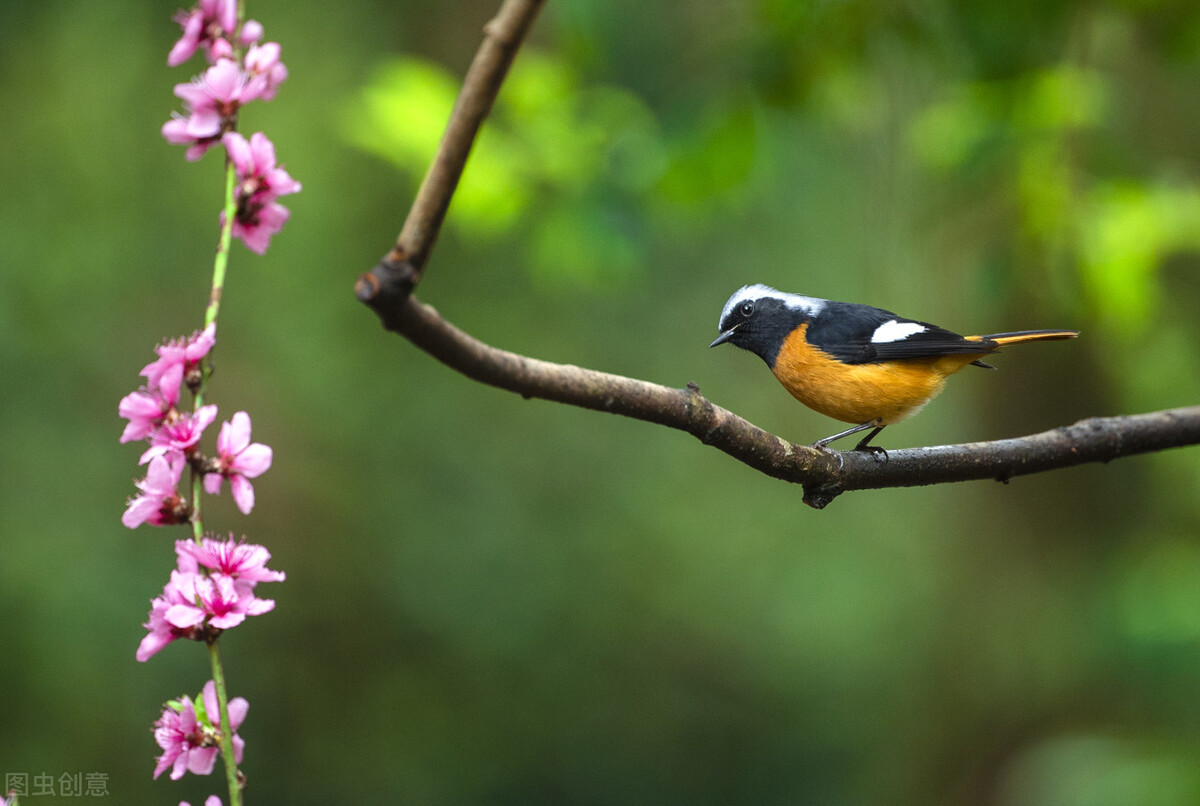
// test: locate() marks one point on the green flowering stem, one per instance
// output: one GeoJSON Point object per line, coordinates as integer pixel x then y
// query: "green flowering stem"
{"type": "Point", "coordinates": [222, 258]}
{"type": "Point", "coordinates": [220, 263]}
{"type": "Point", "coordinates": [196, 520]}
{"type": "Point", "coordinates": [227, 754]}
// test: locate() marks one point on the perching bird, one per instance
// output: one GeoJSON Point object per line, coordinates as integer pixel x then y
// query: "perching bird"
{"type": "Point", "coordinates": [855, 363]}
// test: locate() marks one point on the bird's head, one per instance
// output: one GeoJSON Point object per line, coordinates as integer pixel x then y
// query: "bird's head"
{"type": "Point", "coordinates": [758, 318]}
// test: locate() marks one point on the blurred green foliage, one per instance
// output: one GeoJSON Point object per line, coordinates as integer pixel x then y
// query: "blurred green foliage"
{"type": "Point", "coordinates": [558, 161]}
{"type": "Point", "coordinates": [492, 600]}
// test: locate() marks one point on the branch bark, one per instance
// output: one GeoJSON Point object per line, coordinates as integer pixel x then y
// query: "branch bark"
{"type": "Point", "coordinates": [823, 473]}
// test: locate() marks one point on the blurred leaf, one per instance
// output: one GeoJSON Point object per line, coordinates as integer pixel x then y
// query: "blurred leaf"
{"type": "Point", "coordinates": [1101, 771]}
{"type": "Point", "coordinates": [949, 133]}
{"type": "Point", "coordinates": [850, 95]}
{"type": "Point", "coordinates": [549, 142]}
{"type": "Point", "coordinates": [1160, 592]}
{"type": "Point", "coordinates": [584, 246]}
{"type": "Point", "coordinates": [1127, 229]}
{"type": "Point", "coordinates": [400, 116]}
{"type": "Point", "coordinates": [990, 118]}
{"type": "Point", "coordinates": [401, 113]}
{"type": "Point", "coordinates": [1061, 98]}
{"type": "Point", "coordinates": [715, 160]}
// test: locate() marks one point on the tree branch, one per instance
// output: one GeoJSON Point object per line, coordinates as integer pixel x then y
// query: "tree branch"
{"type": "Point", "coordinates": [823, 473]}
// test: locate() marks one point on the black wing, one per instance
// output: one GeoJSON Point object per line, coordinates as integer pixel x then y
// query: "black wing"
{"type": "Point", "coordinates": [845, 331]}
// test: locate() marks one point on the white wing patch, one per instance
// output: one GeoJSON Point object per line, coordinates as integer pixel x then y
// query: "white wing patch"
{"type": "Point", "coordinates": [893, 330]}
{"type": "Point", "coordinates": [811, 305]}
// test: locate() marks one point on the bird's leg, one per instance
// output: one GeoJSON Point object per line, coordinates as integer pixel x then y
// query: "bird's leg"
{"type": "Point", "coordinates": [821, 443]}
{"type": "Point", "coordinates": [863, 446]}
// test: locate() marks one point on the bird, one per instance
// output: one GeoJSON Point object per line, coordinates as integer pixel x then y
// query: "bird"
{"type": "Point", "coordinates": [855, 363]}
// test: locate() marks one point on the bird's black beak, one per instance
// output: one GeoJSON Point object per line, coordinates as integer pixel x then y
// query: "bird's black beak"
{"type": "Point", "coordinates": [725, 336]}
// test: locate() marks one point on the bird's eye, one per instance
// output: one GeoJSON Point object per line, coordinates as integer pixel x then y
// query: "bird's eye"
{"type": "Point", "coordinates": [747, 308]}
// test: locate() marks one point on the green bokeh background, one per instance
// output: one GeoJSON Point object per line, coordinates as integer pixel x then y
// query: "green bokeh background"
{"type": "Point", "coordinates": [500, 601]}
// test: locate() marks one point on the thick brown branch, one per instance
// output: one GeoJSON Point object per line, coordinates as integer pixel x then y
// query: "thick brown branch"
{"type": "Point", "coordinates": [824, 474]}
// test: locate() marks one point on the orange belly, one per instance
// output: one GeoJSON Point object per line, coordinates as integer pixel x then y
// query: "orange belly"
{"type": "Point", "coordinates": [861, 393]}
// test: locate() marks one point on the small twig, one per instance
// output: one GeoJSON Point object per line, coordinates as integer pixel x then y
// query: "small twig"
{"type": "Point", "coordinates": [824, 474]}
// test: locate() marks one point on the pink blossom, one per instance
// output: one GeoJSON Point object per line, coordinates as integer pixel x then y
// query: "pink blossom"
{"type": "Point", "coordinates": [205, 26]}
{"type": "Point", "coordinates": [180, 435]}
{"type": "Point", "coordinates": [190, 739]}
{"type": "Point", "coordinates": [193, 601]}
{"type": "Point", "coordinates": [257, 172]}
{"type": "Point", "coordinates": [260, 183]}
{"type": "Point", "coordinates": [211, 800]}
{"type": "Point", "coordinates": [146, 411]}
{"type": "Point", "coordinates": [239, 461]}
{"type": "Point", "coordinates": [210, 103]}
{"type": "Point", "coordinates": [176, 359]}
{"type": "Point", "coordinates": [159, 504]}
{"type": "Point", "coordinates": [263, 60]}
{"type": "Point", "coordinates": [215, 599]}
{"type": "Point", "coordinates": [182, 738]}
{"type": "Point", "coordinates": [161, 630]}
{"type": "Point", "coordinates": [256, 226]}
{"type": "Point", "coordinates": [232, 558]}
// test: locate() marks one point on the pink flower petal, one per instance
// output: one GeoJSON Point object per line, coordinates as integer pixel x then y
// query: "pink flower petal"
{"type": "Point", "coordinates": [180, 766]}
{"type": "Point", "coordinates": [200, 344]}
{"type": "Point", "coordinates": [235, 434]}
{"type": "Point", "coordinates": [151, 645]}
{"type": "Point", "coordinates": [184, 616]}
{"type": "Point", "coordinates": [140, 510]}
{"type": "Point", "coordinates": [239, 152]}
{"type": "Point", "coordinates": [262, 147]}
{"type": "Point", "coordinates": [174, 131]}
{"type": "Point", "coordinates": [185, 558]}
{"type": "Point", "coordinates": [243, 493]}
{"type": "Point", "coordinates": [254, 460]}
{"type": "Point", "coordinates": [222, 80]}
{"type": "Point", "coordinates": [205, 415]}
{"type": "Point", "coordinates": [198, 150]}
{"type": "Point", "coordinates": [225, 13]}
{"type": "Point", "coordinates": [259, 606]}
{"type": "Point", "coordinates": [193, 26]}
{"type": "Point", "coordinates": [200, 760]}
{"type": "Point", "coordinates": [192, 93]}
{"type": "Point", "coordinates": [238, 707]}
{"type": "Point", "coordinates": [227, 621]}
{"type": "Point", "coordinates": [252, 31]}
{"type": "Point", "coordinates": [208, 695]}
{"type": "Point", "coordinates": [203, 123]}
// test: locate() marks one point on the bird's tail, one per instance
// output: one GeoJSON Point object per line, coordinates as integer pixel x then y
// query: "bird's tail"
{"type": "Point", "coordinates": [1019, 336]}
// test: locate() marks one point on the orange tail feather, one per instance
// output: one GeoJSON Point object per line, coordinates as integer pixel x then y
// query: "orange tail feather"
{"type": "Point", "coordinates": [1028, 335]}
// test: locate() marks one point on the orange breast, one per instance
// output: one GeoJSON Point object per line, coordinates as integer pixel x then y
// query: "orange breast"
{"type": "Point", "coordinates": [860, 393]}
